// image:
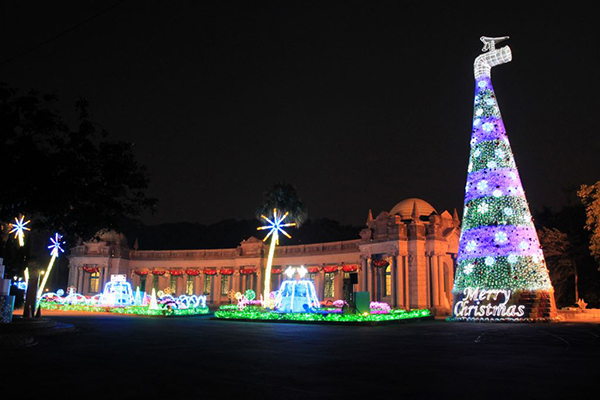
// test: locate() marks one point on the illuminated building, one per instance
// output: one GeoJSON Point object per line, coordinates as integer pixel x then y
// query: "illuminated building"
{"type": "Point", "coordinates": [404, 257]}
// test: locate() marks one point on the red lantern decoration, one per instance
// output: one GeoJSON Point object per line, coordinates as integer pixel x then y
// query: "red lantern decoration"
{"type": "Point", "coordinates": [90, 270]}
{"type": "Point", "coordinates": [192, 272]}
{"type": "Point", "coordinates": [313, 270]}
{"type": "Point", "coordinates": [276, 271]}
{"type": "Point", "coordinates": [380, 263]}
{"type": "Point", "coordinates": [210, 272]}
{"type": "Point", "coordinates": [176, 272]}
{"type": "Point", "coordinates": [159, 272]}
{"type": "Point", "coordinates": [330, 268]}
{"type": "Point", "coordinates": [247, 271]}
{"type": "Point", "coordinates": [226, 272]}
{"type": "Point", "coordinates": [140, 272]}
{"type": "Point", "coordinates": [349, 268]}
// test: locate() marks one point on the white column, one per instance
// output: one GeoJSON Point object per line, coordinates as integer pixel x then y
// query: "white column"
{"type": "Point", "coordinates": [399, 280]}
{"type": "Point", "coordinates": [435, 281]}
{"type": "Point", "coordinates": [406, 282]}
{"type": "Point", "coordinates": [80, 280]}
{"type": "Point", "coordinates": [362, 276]}
{"type": "Point", "coordinates": [393, 282]}
{"type": "Point", "coordinates": [441, 280]}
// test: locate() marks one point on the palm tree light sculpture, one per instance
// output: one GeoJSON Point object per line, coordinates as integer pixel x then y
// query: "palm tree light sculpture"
{"type": "Point", "coordinates": [275, 226]}
{"type": "Point", "coordinates": [19, 228]}
{"type": "Point", "coordinates": [55, 248]}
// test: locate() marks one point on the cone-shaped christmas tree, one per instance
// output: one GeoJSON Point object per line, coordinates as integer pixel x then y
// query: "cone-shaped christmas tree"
{"type": "Point", "coordinates": [501, 272]}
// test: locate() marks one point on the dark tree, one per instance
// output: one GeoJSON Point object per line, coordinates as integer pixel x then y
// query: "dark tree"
{"type": "Point", "coordinates": [284, 197]}
{"type": "Point", "coordinates": [75, 182]}
{"type": "Point", "coordinates": [569, 254]}
{"type": "Point", "coordinates": [562, 264]}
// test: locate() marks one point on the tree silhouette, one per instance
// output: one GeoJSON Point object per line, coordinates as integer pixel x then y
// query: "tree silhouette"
{"type": "Point", "coordinates": [590, 197]}
{"type": "Point", "coordinates": [561, 257]}
{"type": "Point", "coordinates": [284, 197]}
{"type": "Point", "coordinates": [73, 181]}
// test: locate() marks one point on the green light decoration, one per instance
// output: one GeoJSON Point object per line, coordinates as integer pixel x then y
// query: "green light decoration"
{"type": "Point", "coordinates": [250, 294]}
{"type": "Point", "coordinates": [130, 310]}
{"type": "Point", "coordinates": [264, 315]}
{"type": "Point", "coordinates": [501, 274]}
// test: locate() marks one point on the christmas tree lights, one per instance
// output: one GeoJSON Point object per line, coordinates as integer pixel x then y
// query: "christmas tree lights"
{"type": "Point", "coordinates": [501, 274]}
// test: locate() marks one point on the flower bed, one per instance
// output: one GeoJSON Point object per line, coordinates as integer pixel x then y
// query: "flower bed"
{"type": "Point", "coordinates": [264, 315]}
{"type": "Point", "coordinates": [129, 310]}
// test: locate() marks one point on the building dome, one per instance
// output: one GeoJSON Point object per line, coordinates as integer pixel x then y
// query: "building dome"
{"type": "Point", "coordinates": [405, 208]}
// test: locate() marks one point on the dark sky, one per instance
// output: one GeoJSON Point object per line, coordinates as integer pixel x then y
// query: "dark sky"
{"type": "Point", "coordinates": [358, 104]}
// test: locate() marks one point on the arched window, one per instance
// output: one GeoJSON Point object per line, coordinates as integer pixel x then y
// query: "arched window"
{"type": "Point", "coordinates": [173, 284]}
{"type": "Point", "coordinates": [388, 280]}
{"type": "Point", "coordinates": [143, 283]}
{"type": "Point", "coordinates": [207, 284]}
{"type": "Point", "coordinates": [250, 281]}
{"type": "Point", "coordinates": [329, 289]}
{"type": "Point", "coordinates": [94, 282]}
{"type": "Point", "coordinates": [189, 285]}
{"type": "Point", "coordinates": [224, 284]}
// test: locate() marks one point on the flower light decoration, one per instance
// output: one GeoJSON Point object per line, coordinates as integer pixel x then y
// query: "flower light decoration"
{"type": "Point", "coordinates": [275, 226]}
{"type": "Point", "coordinates": [19, 228]}
{"type": "Point", "coordinates": [55, 250]}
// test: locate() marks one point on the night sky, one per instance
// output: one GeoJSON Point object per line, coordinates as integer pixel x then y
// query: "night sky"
{"type": "Point", "coordinates": [358, 104]}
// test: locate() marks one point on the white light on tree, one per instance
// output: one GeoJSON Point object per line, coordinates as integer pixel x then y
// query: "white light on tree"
{"type": "Point", "coordinates": [275, 226]}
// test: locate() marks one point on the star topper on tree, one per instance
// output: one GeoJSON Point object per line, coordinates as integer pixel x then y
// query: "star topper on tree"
{"type": "Point", "coordinates": [275, 226]}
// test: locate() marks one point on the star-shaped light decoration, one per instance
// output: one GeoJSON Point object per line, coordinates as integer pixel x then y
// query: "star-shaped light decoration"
{"type": "Point", "coordinates": [19, 228]}
{"type": "Point", "coordinates": [55, 249]}
{"type": "Point", "coordinates": [275, 226]}
{"type": "Point", "coordinates": [55, 246]}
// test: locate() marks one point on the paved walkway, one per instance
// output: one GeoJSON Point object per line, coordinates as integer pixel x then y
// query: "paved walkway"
{"type": "Point", "coordinates": [185, 358]}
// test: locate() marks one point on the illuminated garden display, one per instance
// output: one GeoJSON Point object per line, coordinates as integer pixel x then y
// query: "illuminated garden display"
{"type": "Point", "coordinates": [502, 275]}
{"type": "Point", "coordinates": [118, 298]}
{"type": "Point", "coordinates": [259, 314]}
{"type": "Point", "coordinates": [296, 301]}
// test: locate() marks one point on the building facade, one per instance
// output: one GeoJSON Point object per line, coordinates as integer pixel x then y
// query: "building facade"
{"type": "Point", "coordinates": [405, 257]}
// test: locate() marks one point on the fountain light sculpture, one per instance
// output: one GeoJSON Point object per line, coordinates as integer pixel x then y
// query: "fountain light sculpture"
{"type": "Point", "coordinates": [296, 295]}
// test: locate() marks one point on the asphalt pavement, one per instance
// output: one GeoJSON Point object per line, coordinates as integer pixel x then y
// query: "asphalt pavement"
{"type": "Point", "coordinates": [124, 357]}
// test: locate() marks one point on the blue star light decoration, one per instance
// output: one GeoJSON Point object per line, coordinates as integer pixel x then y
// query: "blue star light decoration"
{"type": "Point", "coordinates": [276, 225]}
{"type": "Point", "coordinates": [55, 246]}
